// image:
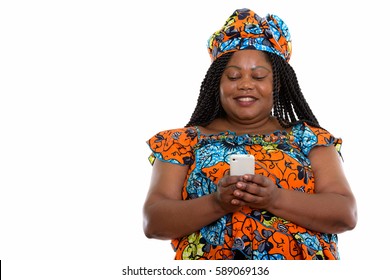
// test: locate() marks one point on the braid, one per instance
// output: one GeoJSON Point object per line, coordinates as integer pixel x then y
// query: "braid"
{"type": "Point", "coordinates": [208, 106]}
{"type": "Point", "coordinates": [290, 106]}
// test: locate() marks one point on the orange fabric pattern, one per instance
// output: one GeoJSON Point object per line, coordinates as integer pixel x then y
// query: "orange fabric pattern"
{"type": "Point", "coordinates": [250, 233]}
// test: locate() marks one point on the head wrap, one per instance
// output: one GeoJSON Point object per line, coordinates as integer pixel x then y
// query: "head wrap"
{"type": "Point", "coordinates": [244, 29]}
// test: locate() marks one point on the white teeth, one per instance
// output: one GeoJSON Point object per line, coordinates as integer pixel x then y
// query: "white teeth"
{"type": "Point", "coordinates": [246, 99]}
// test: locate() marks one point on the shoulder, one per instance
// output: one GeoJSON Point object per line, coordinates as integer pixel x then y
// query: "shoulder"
{"type": "Point", "coordinates": [309, 136]}
{"type": "Point", "coordinates": [305, 131]}
{"type": "Point", "coordinates": [178, 134]}
{"type": "Point", "coordinates": [174, 145]}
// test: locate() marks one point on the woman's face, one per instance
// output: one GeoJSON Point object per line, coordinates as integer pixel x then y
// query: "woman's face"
{"type": "Point", "coordinates": [246, 87]}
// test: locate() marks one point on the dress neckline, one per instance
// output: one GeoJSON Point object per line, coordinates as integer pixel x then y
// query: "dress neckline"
{"type": "Point", "coordinates": [228, 132]}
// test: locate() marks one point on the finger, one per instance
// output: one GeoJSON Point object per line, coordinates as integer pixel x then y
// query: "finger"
{"type": "Point", "coordinates": [251, 188]}
{"type": "Point", "coordinates": [259, 180]}
{"type": "Point", "coordinates": [237, 202]}
{"type": "Point", "coordinates": [229, 180]}
{"type": "Point", "coordinates": [246, 197]}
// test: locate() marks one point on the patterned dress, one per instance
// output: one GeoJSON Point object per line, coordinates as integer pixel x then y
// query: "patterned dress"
{"type": "Point", "coordinates": [250, 233]}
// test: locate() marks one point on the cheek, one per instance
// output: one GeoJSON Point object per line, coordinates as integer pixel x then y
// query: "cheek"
{"type": "Point", "coordinates": [224, 93]}
{"type": "Point", "coordinates": [270, 94]}
{"type": "Point", "coordinates": [222, 98]}
{"type": "Point", "coordinates": [266, 90]}
{"type": "Point", "coordinates": [270, 99]}
{"type": "Point", "coordinates": [226, 87]}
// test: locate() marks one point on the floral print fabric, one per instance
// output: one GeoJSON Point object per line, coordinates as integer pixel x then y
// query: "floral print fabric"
{"type": "Point", "coordinates": [249, 233]}
{"type": "Point", "coordinates": [244, 29]}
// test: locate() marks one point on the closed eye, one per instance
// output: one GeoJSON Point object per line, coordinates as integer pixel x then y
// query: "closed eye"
{"type": "Point", "coordinates": [259, 78]}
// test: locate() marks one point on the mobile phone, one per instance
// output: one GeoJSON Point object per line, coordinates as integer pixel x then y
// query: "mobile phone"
{"type": "Point", "coordinates": [242, 164]}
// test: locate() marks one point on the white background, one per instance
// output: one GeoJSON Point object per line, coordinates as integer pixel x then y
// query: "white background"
{"type": "Point", "coordinates": [84, 84]}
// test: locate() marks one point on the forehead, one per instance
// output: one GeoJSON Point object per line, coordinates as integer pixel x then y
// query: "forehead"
{"type": "Point", "coordinates": [249, 58]}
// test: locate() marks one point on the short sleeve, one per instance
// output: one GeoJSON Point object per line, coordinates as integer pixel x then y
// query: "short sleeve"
{"type": "Point", "coordinates": [310, 137]}
{"type": "Point", "coordinates": [174, 146]}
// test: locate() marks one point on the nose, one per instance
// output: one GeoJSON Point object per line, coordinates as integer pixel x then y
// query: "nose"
{"type": "Point", "coordinates": [246, 83]}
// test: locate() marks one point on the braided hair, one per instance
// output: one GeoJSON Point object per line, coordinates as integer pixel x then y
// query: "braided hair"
{"type": "Point", "coordinates": [290, 106]}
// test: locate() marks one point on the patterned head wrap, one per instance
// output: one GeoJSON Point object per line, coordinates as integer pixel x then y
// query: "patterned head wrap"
{"type": "Point", "coordinates": [244, 29]}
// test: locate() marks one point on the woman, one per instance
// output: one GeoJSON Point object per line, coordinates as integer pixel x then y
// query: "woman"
{"type": "Point", "coordinates": [250, 102]}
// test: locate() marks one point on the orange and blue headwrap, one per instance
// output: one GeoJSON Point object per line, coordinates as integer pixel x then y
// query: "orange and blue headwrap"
{"type": "Point", "coordinates": [244, 29]}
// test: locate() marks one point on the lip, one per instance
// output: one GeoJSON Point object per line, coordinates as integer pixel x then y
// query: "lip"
{"type": "Point", "coordinates": [246, 100]}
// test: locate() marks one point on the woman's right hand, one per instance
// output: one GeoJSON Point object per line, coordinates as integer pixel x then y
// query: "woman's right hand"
{"type": "Point", "coordinates": [224, 194]}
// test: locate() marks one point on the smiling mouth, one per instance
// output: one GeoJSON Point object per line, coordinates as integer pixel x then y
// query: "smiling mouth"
{"type": "Point", "coordinates": [246, 99]}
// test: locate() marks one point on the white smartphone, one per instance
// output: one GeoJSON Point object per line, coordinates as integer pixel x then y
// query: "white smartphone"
{"type": "Point", "coordinates": [242, 164]}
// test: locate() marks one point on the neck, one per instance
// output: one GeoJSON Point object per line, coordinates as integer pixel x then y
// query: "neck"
{"type": "Point", "coordinates": [264, 126]}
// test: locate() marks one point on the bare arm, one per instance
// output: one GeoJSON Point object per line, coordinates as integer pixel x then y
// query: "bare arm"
{"type": "Point", "coordinates": [332, 209]}
{"type": "Point", "coordinates": [167, 216]}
